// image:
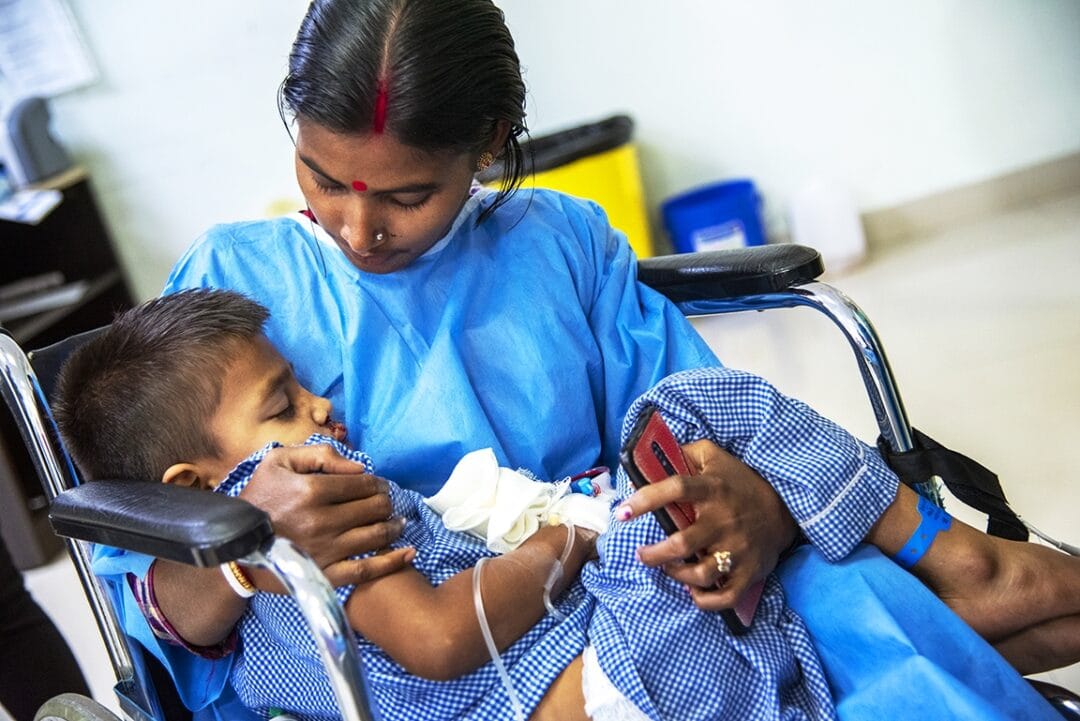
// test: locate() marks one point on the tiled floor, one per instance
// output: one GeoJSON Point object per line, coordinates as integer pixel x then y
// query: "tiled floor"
{"type": "Point", "coordinates": [982, 327]}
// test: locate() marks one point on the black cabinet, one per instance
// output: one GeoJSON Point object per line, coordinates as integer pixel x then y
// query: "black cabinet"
{"type": "Point", "coordinates": [67, 269]}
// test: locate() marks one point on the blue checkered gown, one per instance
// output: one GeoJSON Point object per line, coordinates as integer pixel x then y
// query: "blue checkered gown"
{"type": "Point", "coordinates": [676, 662]}
{"type": "Point", "coordinates": [278, 664]}
{"type": "Point", "coordinates": [671, 659]}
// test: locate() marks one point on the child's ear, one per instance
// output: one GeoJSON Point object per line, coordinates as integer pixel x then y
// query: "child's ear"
{"type": "Point", "coordinates": [186, 474]}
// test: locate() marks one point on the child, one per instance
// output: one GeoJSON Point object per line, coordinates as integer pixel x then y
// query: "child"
{"type": "Point", "coordinates": [625, 642]}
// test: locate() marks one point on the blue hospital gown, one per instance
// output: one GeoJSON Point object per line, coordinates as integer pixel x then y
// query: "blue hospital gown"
{"type": "Point", "coordinates": [527, 334]}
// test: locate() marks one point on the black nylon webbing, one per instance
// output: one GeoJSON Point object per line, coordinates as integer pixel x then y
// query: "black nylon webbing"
{"type": "Point", "coordinates": [970, 482]}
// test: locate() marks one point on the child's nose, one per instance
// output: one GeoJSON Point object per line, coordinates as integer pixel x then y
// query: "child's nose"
{"type": "Point", "coordinates": [320, 409]}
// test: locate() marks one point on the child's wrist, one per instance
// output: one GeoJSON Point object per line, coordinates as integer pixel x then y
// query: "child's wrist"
{"type": "Point", "coordinates": [238, 580]}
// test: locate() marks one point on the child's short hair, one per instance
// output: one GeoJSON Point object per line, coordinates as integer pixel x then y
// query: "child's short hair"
{"type": "Point", "coordinates": [140, 397]}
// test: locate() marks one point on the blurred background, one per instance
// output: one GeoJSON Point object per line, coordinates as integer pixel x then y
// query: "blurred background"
{"type": "Point", "coordinates": [945, 132]}
{"type": "Point", "coordinates": [894, 102]}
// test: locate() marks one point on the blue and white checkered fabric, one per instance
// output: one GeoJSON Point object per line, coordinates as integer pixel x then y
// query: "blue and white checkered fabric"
{"type": "Point", "coordinates": [660, 651]}
{"type": "Point", "coordinates": [835, 485]}
{"type": "Point", "coordinates": [668, 657]}
{"type": "Point", "coordinates": [278, 665]}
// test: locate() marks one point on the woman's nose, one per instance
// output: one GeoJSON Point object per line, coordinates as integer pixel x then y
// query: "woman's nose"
{"type": "Point", "coordinates": [359, 230]}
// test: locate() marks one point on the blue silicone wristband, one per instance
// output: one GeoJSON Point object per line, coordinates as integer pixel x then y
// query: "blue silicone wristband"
{"type": "Point", "coordinates": [934, 520]}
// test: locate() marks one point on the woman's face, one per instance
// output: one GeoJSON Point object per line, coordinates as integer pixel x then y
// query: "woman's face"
{"type": "Point", "coordinates": [384, 203]}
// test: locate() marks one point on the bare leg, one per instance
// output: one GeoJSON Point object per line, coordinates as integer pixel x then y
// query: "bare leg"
{"type": "Point", "coordinates": [1033, 650]}
{"type": "Point", "coordinates": [1001, 588]}
{"type": "Point", "coordinates": [564, 700]}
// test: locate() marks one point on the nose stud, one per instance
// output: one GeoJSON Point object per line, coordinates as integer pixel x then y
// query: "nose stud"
{"type": "Point", "coordinates": [379, 237]}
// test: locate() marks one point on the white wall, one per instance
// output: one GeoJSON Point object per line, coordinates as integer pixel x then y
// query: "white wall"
{"type": "Point", "coordinates": [182, 131]}
{"type": "Point", "coordinates": [896, 100]}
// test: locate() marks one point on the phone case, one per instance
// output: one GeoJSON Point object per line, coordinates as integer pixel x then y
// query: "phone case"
{"type": "Point", "coordinates": [652, 454]}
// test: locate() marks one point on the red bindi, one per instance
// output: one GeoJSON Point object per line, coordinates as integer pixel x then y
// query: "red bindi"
{"type": "Point", "coordinates": [379, 119]}
{"type": "Point", "coordinates": [359, 186]}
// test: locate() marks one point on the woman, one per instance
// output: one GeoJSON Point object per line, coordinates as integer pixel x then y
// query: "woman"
{"type": "Point", "coordinates": [440, 317]}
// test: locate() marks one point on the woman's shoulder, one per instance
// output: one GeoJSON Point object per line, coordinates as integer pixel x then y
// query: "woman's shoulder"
{"type": "Point", "coordinates": [552, 204]}
{"type": "Point", "coordinates": [550, 218]}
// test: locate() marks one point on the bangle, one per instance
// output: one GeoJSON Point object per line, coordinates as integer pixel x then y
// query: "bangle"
{"type": "Point", "coordinates": [238, 580]}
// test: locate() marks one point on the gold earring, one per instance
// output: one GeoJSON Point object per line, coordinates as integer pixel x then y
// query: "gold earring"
{"type": "Point", "coordinates": [484, 162]}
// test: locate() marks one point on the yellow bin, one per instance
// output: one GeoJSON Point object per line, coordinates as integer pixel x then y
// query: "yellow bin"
{"type": "Point", "coordinates": [597, 161]}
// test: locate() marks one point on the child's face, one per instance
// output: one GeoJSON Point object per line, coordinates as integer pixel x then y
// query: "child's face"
{"type": "Point", "coordinates": [261, 401]}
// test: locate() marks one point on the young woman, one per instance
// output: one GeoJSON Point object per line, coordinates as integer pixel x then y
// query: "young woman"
{"type": "Point", "coordinates": [440, 317]}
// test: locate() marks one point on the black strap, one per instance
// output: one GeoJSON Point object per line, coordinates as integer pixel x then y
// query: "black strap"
{"type": "Point", "coordinates": [970, 482]}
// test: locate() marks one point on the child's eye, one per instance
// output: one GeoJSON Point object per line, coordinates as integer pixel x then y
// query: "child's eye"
{"type": "Point", "coordinates": [287, 413]}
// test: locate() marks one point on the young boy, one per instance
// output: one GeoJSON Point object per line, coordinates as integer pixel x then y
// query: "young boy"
{"type": "Point", "coordinates": [186, 387]}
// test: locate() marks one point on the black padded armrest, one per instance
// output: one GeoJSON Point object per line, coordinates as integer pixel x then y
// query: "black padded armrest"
{"type": "Point", "coordinates": [718, 274]}
{"type": "Point", "coordinates": [166, 521]}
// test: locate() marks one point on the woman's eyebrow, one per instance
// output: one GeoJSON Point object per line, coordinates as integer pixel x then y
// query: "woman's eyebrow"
{"type": "Point", "coordinates": [315, 167]}
{"type": "Point", "coordinates": [411, 188]}
{"type": "Point", "coordinates": [408, 188]}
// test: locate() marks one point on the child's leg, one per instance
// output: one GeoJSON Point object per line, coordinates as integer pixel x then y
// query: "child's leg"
{"type": "Point", "coordinates": [1003, 589]}
{"type": "Point", "coordinates": [1035, 649]}
{"type": "Point", "coordinates": [564, 698]}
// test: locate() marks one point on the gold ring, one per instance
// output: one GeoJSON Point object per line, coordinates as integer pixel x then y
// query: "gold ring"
{"type": "Point", "coordinates": [723, 561]}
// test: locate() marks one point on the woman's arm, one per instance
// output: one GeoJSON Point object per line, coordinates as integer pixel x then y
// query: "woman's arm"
{"type": "Point", "coordinates": [433, 632]}
{"type": "Point", "coordinates": [322, 502]}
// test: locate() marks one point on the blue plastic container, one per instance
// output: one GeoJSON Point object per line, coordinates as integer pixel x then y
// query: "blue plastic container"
{"type": "Point", "coordinates": [716, 216]}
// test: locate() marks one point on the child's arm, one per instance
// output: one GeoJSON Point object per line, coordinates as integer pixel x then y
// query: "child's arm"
{"type": "Point", "coordinates": [433, 632]}
{"type": "Point", "coordinates": [316, 498]}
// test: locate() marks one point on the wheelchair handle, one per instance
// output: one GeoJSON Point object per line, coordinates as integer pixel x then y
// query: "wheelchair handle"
{"type": "Point", "coordinates": [720, 274]}
{"type": "Point", "coordinates": [180, 524]}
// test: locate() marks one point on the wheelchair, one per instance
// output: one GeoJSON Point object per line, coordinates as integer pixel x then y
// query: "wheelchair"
{"type": "Point", "coordinates": [205, 529]}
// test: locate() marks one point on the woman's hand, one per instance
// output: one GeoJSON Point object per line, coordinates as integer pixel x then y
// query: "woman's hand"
{"type": "Point", "coordinates": [737, 512]}
{"type": "Point", "coordinates": [325, 504]}
{"type": "Point", "coordinates": [329, 507]}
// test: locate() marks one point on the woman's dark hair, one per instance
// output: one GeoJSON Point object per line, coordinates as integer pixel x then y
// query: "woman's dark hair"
{"type": "Point", "coordinates": [140, 396]}
{"type": "Point", "coordinates": [436, 74]}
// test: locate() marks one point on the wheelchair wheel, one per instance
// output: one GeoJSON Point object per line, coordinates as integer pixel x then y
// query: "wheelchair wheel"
{"type": "Point", "coordinates": [74, 707]}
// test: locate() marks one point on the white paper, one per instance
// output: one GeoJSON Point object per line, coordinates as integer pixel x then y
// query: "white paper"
{"type": "Point", "coordinates": [42, 52]}
{"type": "Point", "coordinates": [29, 206]}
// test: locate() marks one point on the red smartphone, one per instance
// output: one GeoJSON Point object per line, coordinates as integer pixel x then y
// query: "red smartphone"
{"type": "Point", "coordinates": [652, 454]}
